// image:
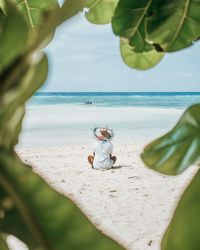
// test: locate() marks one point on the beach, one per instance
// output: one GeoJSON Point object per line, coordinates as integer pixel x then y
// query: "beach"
{"type": "Point", "coordinates": [131, 203]}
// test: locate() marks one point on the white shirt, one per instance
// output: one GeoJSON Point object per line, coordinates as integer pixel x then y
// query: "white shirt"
{"type": "Point", "coordinates": [102, 151]}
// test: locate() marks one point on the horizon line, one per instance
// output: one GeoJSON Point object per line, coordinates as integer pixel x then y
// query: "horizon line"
{"type": "Point", "coordinates": [117, 92]}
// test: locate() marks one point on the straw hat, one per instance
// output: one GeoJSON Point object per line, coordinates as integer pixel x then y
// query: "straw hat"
{"type": "Point", "coordinates": [103, 134]}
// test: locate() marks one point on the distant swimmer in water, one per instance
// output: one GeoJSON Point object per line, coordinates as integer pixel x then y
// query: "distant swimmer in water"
{"type": "Point", "coordinates": [87, 102]}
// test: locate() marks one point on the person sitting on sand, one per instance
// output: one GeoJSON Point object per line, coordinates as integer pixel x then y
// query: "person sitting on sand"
{"type": "Point", "coordinates": [102, 149]}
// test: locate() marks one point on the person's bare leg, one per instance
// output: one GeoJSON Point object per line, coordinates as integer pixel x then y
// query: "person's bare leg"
{"type": "Point", "coordinates": [114, 158]}
{"type": "Point", "coordinates": [91, 159]}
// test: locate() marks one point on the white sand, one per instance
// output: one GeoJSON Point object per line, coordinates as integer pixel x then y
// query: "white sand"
{"type": "Point", "coordinates": [131, 203]}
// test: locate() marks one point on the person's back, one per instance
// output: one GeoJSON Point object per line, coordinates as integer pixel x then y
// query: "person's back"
{"type": "Point", "coordinates": [102, 149]}
{"type": "Point", "coordinates": [102, 154]}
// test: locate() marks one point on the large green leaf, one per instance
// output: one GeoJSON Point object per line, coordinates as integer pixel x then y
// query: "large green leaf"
{"type": "Point", "coordinates": [184, 229]}
{"type": "Point", "coordinates": [3, 6]}
{"type": "Point", "coordinates": [55, 18]}
{"type": "Point", "coordinates": [15, 26]}
{"type": "Point", "coordinates": [52, 220]}
{"type": "Point", "coordinates": [10, 53]}
{"type": "Point", "coordinates": [26, 81]}
{"type": "Point", "coordinates": [13, 36]}
{"type": "Point", "coordinates": [3, 244]}
{"type": "Point", "coordinates": [32, 211]}
{"type": "Point", "coordinates": [34, 10]}
{"type": "Point", "coordinates": [2, 17]}
{"type": "Point", "coordinates": [143, 60]}
{"type": "Point", "coordinates": [10, 215]}
{"type": "Point", "coordinates": [100, 11]}
{"type": "Point", "coordinates": [129, 22]}
{"type": "Point", "coordinates": [20, 79]}
{"type": "Point", "coordinates": [178, 149]}
{"type": "Point", "coordinates": [174, 25]}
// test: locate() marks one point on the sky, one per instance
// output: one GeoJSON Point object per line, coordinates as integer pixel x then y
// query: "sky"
{"type": "Point", "coordinates": [86, 57]}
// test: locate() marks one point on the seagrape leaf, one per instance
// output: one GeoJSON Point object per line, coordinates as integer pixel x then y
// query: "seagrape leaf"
{"type": "Point", "coordinates": [52, 220]}
{"type": "Point", "coordinates": [13, 35]}
{"type": "Point", "coordinates": [174, 25]}
{"type": "Point", "coordinates": [26, 42]}
{"type": "Point", "coordinates": [3, 244]}
{"type": "Point", "coordinates": [3, 6]}
{"type": "Point", "coordinates": [184, 229]}
{"type": "Point", "coordinates": [100, 11]}
{"type": "Point", "coordinates": [139, 60]}
{"type": "Point", "coordinates": [34, 211]}
{"type": "Point", "coordinates": [2, 17]}
{"type": "Point", "coordinates": [11, 214]}
{"type": "Point", "coordinates": [54, 18]}
{"type": "Point", "coordinates": [129, 22]}
{"type": "Point", "coordinates": [34, 10]}
{"type": "Point", "coordinates": [69, 9]}
{"type": "Point", "coordinates": [27, 80]}
{"type": "Point", "coordinates": [178, 149]}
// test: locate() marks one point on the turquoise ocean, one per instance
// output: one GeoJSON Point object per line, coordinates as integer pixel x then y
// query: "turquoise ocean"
{"type": "Point", "coordinates": [60, 118]}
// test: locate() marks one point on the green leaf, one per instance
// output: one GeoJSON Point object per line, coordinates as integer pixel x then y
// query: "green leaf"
{"type": "Point", "coordinates": [69, 9]}
{"type": "Point", "coordinates": [52, 220]}
{"type": "Point", "coordinates": [174, 152]}
{"type": "Point", "coordinates": [3, 244]}
{"type": "Point", "coordinates": [174, 25]}
{"type": "Point", "coordinates": [2, 17]}
{"type": "Point", "coordinates": [13, 36]}
{"type": "Point", "coordinates": [26, 79]}
{"type": "Point", "coordinates": [184, 229]}
{"type": "Point", "coordinates": [55, 18]}
{"type": "Point", "coordinates": [100, 11]}
{"type": "Point", "coordinates": [34, 10]}
{"type": "Point", "coordinates": [3, 6]}
{"type": "Point", "coordinates": [10, 215]}
{"type": "Point", "coordinates": [129, 22]}
{"type": "Point", "coordinates": [25, 42]}
{"type": "Point", "coordinates": [143, 60]}
{"type": "Point", "coordinates": [33, 211]}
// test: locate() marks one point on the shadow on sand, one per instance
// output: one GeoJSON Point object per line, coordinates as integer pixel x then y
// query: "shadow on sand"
{"type": "Point", "coordinates": [120, 166]}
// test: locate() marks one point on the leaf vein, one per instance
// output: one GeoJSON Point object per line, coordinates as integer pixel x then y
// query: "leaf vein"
{"type": "Point", "coordinates": [141, 18]}
{"type": "Point", "coordinates": [192, 19]}
{"type": "Point", "coordinates": [181, 22]}
{"type": "Point", "coordinates": [29, 13]}
{"type": "Point", "coordinates": [20, 3]}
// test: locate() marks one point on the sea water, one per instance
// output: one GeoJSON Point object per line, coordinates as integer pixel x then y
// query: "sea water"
{"type": "Point", "coordinates": [60, 118]}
